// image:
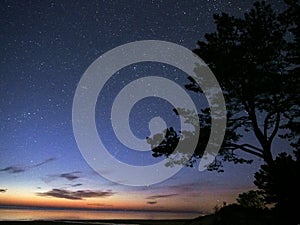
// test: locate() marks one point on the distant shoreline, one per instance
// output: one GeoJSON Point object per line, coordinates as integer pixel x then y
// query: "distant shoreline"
{"type": "Point", "coordinates": [63, 216]}
{"type": "Point", "coordinates": [92, 209]}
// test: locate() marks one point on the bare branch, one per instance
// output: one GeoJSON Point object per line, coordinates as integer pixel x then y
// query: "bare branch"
{"type": "Point", "coordinates": [245, 148]}
{"type": "Point", "coordinates": [266, 123]}
{"type": "Point", "coordinates": [243, 118]}
{"type": "Point", "coordinates": [275, 128]}
{"type": "Point", "coordinates": [254, 147]}
{"type": "Point", "coordinates": [260, 136]}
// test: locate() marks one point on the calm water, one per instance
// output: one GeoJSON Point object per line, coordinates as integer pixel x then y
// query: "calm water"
{"type": "Point", "coordinates": [29, 214]}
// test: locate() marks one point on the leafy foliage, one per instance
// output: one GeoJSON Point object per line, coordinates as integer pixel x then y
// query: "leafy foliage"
{"type": "Point", "coordinates": [279, 184]}
{"type": "Point", "coordinates": [251, 199]}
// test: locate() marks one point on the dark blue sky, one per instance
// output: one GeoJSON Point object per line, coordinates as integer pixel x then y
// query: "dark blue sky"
{"type": "Point", "coordinates": [45, 48]}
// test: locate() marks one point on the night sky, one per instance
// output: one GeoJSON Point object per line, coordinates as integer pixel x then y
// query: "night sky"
{"type": "Point", "coordinates": [46, 46]}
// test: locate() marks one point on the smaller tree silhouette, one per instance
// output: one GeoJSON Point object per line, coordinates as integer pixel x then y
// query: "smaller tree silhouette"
{"type": "Point", "coordinates": [251, 199]}
{"type": "Point", "coordinates": [279, 184]}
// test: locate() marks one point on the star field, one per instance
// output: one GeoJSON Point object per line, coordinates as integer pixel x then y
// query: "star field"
{"type": "Point", "coordinates": [45, 47]}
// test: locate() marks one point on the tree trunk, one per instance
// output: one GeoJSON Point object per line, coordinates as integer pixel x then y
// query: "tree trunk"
{"type": "Point", "coordinates": [268, 154]}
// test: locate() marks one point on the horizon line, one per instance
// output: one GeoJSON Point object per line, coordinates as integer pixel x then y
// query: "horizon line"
{"type": "Point", "coordinates": [28, 207]}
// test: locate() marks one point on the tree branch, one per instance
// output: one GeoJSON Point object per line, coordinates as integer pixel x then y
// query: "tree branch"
{"type": "Point", "coordinates": [260, 136]}
{"type": "Point", "coordinates": [254, 147]}
{"type": "Point", "coordinates": [244, 148]}
{"type": "Point", "coordinates": [275, 128]}
{"type": "Point", "coordinates": [266, 123]}
{"type": "Point", "coordinates": [243, 118]}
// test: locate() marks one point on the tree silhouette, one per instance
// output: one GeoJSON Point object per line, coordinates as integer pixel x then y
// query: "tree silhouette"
{"type": "Point", "coordinates": [279, 186]}
{"type": "Point", "coordinates": [251, 199]}
{"type": "Point", "coordinates": [292, 16]}
{"type": "Point", "coordinates": [256, 66]}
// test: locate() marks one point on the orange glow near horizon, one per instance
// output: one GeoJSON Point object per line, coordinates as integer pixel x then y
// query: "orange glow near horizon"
{"type": "Point", "coordinates": [125, 201]}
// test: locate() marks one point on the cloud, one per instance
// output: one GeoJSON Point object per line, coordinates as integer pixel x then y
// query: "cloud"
{"type": "Point", "coordinates": [70, 176]}
{"type": "Point", "coordinates": [152, 202]}
{"type": "Point", "coordinates": [44, 162]}
{"type": "Point", "coordinates": [181, 188]}
{"type": "Point", "coordinates": [3, 190]}
{"type": "Point", "coordinates": [76, 195]}
{"type": "Point", "coordinates": [99, 205]}
{"type": "Point", "coordinates": [13, 169]}
{"type": "Point", "coordinates": [19, 169]}
{"type": "Point", "coordinates": [161, 196]}
{"type": "Point", "coordinates": [75, 185]}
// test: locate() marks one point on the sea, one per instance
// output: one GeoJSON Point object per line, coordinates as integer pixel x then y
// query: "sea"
{"type": "Point", "coordinates": [67, 214]}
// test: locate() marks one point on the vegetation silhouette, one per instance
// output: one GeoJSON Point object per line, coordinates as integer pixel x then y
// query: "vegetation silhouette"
{"type": "Point", "coordinates": [256, 65]}
{"type": "Point", "coordinates": [278, 185]}
{"type": "Point", "coordinates": [274, 203]}
{"type": "Point", "coordinates": [251, 199]}
{"type": "Point", "coordinates": [256, 61]}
